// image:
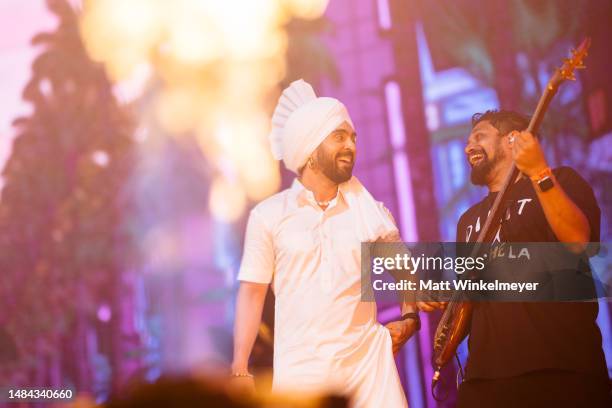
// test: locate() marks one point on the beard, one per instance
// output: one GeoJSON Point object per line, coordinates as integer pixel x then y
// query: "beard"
{"type": "Point", "coordinates": [481, 171]}
{"type": "Point", "coordinates": [336, 171]}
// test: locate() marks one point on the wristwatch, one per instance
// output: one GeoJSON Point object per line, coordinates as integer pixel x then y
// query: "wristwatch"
{"type": "Point", "coordinates": [414, 316]}
{"type": "Point", "coordinates": [544, 179]}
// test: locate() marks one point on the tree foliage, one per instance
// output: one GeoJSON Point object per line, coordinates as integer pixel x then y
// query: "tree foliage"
{"type": "Point", "coordinates": [62, 245]}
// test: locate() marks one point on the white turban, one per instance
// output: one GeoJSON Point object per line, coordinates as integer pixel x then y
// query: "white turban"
{"type": "Point", "coordinates": [301, 121]}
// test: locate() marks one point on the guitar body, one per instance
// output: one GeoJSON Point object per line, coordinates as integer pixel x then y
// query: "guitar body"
{"type": "Point", "coordinates": [452, 329]}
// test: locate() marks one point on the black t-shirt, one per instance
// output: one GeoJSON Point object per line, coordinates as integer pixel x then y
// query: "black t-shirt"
{"type": "Point", "coordinates": [511, 338]}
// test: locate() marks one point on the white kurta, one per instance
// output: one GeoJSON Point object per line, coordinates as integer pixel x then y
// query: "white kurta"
{"type": "Point", "coordinates": [326, 338]}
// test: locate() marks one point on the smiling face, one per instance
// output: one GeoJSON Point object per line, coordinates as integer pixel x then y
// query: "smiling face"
{"type": "Point", "coordinates": [485, 152]}
{"type": "Point", "coordinates": [336, 155]}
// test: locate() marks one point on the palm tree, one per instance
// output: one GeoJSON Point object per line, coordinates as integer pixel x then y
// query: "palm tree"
{"type": "Point", "coordinates": [63, 248]}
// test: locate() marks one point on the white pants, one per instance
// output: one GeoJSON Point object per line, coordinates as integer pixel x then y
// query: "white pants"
{"type": "Point", "coordinates": [366, 373]}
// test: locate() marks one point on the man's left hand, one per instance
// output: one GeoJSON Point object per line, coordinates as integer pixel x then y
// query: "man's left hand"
{"type": "Point", "coordinates": [527, 153]}
{"type": "Point", "coordinates": [401, 331]}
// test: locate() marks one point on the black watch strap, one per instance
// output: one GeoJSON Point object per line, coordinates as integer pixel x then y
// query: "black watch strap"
{"type": "Point", "coordinates": [544, 179]}
{"type": "Point", "coordinates": [412, 315]}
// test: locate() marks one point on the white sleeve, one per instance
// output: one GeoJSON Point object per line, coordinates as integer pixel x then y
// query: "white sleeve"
{"type": "Point", "coordinates": [258, 257]}
{"type": "Point", "coordinates": [391, 236]}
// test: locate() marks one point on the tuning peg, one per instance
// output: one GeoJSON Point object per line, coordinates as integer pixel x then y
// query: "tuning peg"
{"type": "Point", "coordinates": [580, 52]}
{"type": "Point", "coordinates": [567, 74]}
{"type": "Point", "coordinates": [568, 62]}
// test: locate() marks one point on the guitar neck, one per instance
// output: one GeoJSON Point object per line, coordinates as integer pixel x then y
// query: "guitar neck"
{"type": "Point", "coordinates": [540, 111]}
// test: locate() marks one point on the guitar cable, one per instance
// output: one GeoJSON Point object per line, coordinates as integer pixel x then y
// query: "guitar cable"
{"type": "Point", "coordinates": [438, 380]}
{"type": "Point", "coordinates": [460, 371]}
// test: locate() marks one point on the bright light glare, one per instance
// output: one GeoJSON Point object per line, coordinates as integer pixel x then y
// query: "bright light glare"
{"type": "Point", "coordinates": [227, 200]}
{"type": "Point", "coordinates": [218, 62]}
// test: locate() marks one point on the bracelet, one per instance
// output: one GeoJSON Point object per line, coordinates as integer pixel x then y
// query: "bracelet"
{"type": "Point", "coordinates": [412, 315]}
{"type": "Point", "coordinates": [249, 375]}
{"type": "Point", "coordinates": [547, 172]}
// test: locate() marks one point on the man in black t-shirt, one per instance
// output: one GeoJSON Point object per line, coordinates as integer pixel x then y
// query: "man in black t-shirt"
{"type": "Point", "coordinates": [531, 354]}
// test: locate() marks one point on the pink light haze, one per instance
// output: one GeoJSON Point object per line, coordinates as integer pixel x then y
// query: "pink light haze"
{"type": "Point", "coordinates": [20, 20]}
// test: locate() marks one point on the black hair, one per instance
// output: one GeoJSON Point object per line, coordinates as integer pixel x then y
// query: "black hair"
{"type": "Point", "coordinates": [504, 121]}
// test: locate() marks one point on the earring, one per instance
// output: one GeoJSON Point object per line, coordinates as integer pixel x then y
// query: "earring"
{"type": "Point", "coordinates": [512, 136]}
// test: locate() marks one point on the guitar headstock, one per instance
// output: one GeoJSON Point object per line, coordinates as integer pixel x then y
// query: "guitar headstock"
{"type": "Point", "coordinates": [566, 71]}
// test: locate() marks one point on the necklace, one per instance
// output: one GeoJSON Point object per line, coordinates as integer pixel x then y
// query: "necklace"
{"type": "Point", "coordinates": [326, 203]}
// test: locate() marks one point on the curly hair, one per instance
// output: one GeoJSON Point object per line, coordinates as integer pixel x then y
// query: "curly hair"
{"type": "Point", "coordinates": [503, 120]}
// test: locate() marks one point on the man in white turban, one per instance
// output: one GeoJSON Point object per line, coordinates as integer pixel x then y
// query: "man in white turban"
{"type": "Point", "coordinates": [306, 242]}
